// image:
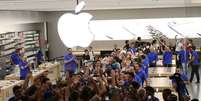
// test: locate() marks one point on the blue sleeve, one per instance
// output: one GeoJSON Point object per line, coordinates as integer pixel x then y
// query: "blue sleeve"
{"type": "Point", "coordinates": [184, 77]}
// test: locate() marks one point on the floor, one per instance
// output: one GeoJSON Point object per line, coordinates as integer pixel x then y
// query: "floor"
{"type": "Point", "coordinates": [194, 89]}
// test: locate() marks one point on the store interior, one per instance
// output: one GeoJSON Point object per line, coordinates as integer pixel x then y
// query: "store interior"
{"type": "Point", "coordinates": [35, 49]}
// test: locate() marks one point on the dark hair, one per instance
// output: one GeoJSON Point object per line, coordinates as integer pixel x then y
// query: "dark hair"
{"type": "Point", "coordinates": [74, 96]}
{"type": "Point", "coordinates": [85, 50]}
{"type": "Point", "coordinates": [149, 90]}
{"type": "Point", "coordinates": [172, 97]}
{"type": "Point", "coordinates": [68, 49]}
{"type": "Point", "coordinates": [86, 94]}
{"type": "Point", "coordinates": [143, 56]}
{"type": "Point", "coordinates": [15, 88]}
{"type": "Point", "coordinates": [194, 100]}
{"type": "Point", "coordinates": [139, 38]}
{"type": "Point", "coordinates": [126, 41]}
{"type": "Point", "coordinates": [44, 80]}
{"type": "Point", "coordinates": [194, 47]}
{"type": "Point", "coordinates": [166, 93]}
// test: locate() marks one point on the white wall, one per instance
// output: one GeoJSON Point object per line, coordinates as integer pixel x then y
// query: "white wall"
{"type": "Point", "coordinates": [57, 48]}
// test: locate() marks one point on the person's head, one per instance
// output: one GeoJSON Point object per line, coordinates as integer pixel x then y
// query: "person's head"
{"type": "Point", "coordinates": [18, 50]}
{"type": "Point", "coordinates": [137, 67]}
{"type": "Point", "coordinates": [149, 90]}
{"type": "Point", "coordinates": [46, 83]}
{"type": "Point", "coordinates": [17, 91]}
{"type": "Point", "coordinates": [130, 76]}
{"type": "Point", "coordinates": [172, 97]}
{"type": "Point", "coordinates": [178, 70]}
{"type": "Point", "coordinates": [166, 93]}
{"type": "Point", "coordinates": [139, 38]}
{"type": "Point", "coordinates": [86, 52]}
{"type": "Point", "coordinates": [141, 93]}
{"type": "Point", "coordinates": [152, 49]}
{"type": "Point", "coordinates": [167, 48]}
{"type": "Point", "coordinates": [193, 47]}
{"type": "Point", "coordinates": [90, 48]}
{"type": "Point", "coordinates": [154, 42]}
{"type": "Point", "coordinates": [69, 50]}
{"type": "Point", "coordinates": [37, 82]}
{"type": "Point", "coordinates": [74, 96]}
{"type": "Point", "coordinates": [98, 63]}
{"type": "Point", "coordinates": [127, 42]}
{"type": "Point", "coordinates": [132, 44]}
{"type": "Point", "coordinates": [194, 100]}
{"type": "Point", "coordinates": [86, 94]}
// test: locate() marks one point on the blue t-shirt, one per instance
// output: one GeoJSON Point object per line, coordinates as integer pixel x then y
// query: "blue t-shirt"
{"type": "Point", "coordinates": [195, 55]}
{"type": "Point", "coordinates": [72, 64]}
{"type": "Point", "coordinates": [15, 58]}
{"type": "Point", "coordinates": [39, 56]}
{"type": "Point", "coordinates": [152, 56]}
{"type": "Point", "coordinates": [24, 69]}
{"type": "Point", "coordinates": [184, 56]}
{"type": "Point", "coordinates": [167, 57]}
{"type": "Point", "coordinates": [145, 65]}
{"type": "Point", "coordinates": [138, 80]}
{"type": "Point", "coordinates": [132, 50]}
{"type": "Point", "coordinates": [141, 74]}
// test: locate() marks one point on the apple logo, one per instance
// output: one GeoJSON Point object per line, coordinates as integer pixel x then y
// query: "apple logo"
{"type": "Point", "coordinates": [73, 29]}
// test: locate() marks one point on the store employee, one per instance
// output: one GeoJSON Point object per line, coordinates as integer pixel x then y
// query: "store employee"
{"type": "Point", "coordinates": [15, 57]}
{"type": "Point", "coordinates": [70, 62]}
{"type": "Point", "coordinates": [24, 68]}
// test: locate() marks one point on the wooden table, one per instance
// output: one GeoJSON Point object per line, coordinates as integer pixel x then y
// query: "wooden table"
{"type": "Point", "coordinates": [6, 88]}
{"type": "Point", "coordinates": [159, 95]}
{"type": "Point", "coordinates": [160, 83]}
{"type": "Point", "coordinates": [159, 63]}
{"type": "Point", "coordinates": [51, 70]}
{"type": "Point", "coordinates": [161, 71]}
{"type": "Point", "coordinates": [16, 76]}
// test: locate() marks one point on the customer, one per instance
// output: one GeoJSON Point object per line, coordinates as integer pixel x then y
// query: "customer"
{"type": "Point", "coordinates": [91, 53]}
{"type": "Point", "coordinates": [126, 46]}
{"type": "Point", "coordinates": [166, 93]}
{"type": "Point", "coordinates": [18, 96]}
{"type": "Point", "coordinates": [85, 57]}
{"type": "Point", "coordinates": [150, 94]}
{"type": "Point", "coordinates": [172, 97]}
{"type": "Point", "coordinates": [195, 65]}
{"type": "Point", "coordinates": [70, 62]}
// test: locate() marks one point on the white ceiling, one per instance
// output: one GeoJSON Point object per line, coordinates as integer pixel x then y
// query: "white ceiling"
{"type": "Point", "coordinates": [133, 28]}
{"type": "Point", "coordinates": [59, 5]}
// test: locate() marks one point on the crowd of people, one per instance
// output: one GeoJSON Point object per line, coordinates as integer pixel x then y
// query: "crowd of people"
{"type": "Point", "coordinates": [120, 76]}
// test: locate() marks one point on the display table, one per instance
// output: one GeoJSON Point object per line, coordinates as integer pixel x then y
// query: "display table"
{"type": "Point", "coordinates": [160, 83]}
{"type": "Point", "coordinates": [6, 88]}
{"type": "Point", "coordinates": [159, 63]}
{"type": "Point", "coordinates": [16, 76]}
{"type": "Point", "coordinates": [161, 71]}
{"type": "Point", "coordinates": [51, 70]}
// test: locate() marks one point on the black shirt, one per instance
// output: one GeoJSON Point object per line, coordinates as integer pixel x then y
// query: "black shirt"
{"type": "Point", "coordinates": [86, 57]}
